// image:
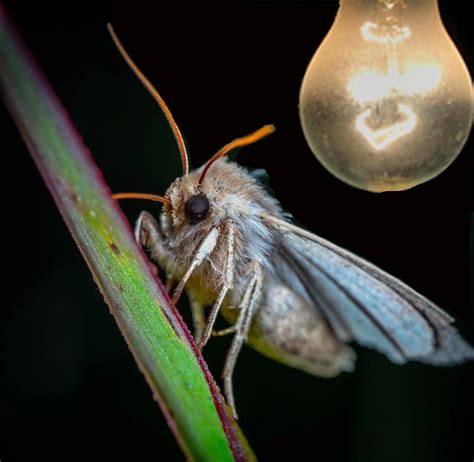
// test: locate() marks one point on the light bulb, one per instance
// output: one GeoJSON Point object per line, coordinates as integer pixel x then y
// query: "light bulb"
{"type": "Point", "coordinates": [386, 102]}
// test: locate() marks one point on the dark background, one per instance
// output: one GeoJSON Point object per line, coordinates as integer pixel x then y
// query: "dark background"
{"type": "Point", "coordinates": [69, 387]}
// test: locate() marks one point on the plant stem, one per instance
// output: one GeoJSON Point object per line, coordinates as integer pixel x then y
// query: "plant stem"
{"type": "Point", "coordinates": [154, 331]}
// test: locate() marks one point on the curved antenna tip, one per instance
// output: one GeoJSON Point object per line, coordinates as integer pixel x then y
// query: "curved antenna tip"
{"type": "Point", "coordinates": [238, 142]}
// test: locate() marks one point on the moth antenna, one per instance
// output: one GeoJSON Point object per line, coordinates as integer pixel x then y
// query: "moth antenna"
{"type": "Point", "coordinates": [238, 142]}
{"type": "Point", "coordinates": [146, 83]}
{"type": "Point", "coordinates": [150, 197]}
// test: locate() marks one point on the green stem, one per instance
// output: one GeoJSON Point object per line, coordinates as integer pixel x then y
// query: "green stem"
{"type": "Point", "coordinates": [153, 330]}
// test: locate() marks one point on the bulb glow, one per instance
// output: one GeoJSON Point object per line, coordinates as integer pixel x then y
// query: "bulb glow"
{"type": "Point", "coordinates": [386, 102]}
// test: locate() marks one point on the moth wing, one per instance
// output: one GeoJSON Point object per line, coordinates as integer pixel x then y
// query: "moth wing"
{"type": "Point", "coordinates": [362, 302]}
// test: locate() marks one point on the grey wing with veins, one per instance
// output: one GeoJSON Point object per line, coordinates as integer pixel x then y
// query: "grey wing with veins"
{"type": "Point", "coordinates": [363, 303]}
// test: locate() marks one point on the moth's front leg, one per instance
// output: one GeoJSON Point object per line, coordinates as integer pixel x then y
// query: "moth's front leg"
{"type": "Point", "coordinates": [202, 252]}
{"type": "Point", "coordinates": [227, 280]}
{"type": "Point", "coordinates": [149, 235]}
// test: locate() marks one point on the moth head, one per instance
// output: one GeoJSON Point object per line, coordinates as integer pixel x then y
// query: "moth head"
{"type": "Point", "coordinates": [187, 199]}
{"type": "Point", "coordinates": [189, 204]}
{"type": "Point", "coordinates": [200, 196]}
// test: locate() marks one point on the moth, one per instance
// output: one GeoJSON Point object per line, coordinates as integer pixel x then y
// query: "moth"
{"type": "Point", "coordinates": [288, 293]}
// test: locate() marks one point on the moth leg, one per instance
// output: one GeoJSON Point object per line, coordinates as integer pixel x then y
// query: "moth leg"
{"type": "Point", "coordinates": [148, 234]}
{"type": "Point", "coordinates": [147, 231]}
{"type": "Point", "coordinates": [227, 330]}
{"type": "Point", "coordinates": [248, 306]}
{"type": "Point", "coordinates": [223, 332]}
{"type": "Point", "coordinates": [199, 319]}
{"type": "Point", "coordinates": [228, 281]}
{"type": "Point", "coordinates": [204, 249]}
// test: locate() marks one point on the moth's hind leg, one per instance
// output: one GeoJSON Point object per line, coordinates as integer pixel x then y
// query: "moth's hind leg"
{"type": "Point", "coordinates": [247, 306]}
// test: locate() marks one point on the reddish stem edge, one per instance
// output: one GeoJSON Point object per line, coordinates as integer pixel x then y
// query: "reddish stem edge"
{"type": "Point", "coordinates": [54, 186]}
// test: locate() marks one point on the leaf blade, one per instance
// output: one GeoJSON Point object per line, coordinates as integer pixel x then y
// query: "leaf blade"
{"type": "Point", "coordinates": [153, 330]}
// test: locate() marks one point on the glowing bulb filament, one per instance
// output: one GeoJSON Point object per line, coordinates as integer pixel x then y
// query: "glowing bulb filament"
{"type": "Point", "coordinates": [382, 137]}
{"type": "Point", "coordinates": [372, 86]}
{"type": "Point", "coordinates": [394, 35]}
{"type": "Point", "coordinates": [369, 85]}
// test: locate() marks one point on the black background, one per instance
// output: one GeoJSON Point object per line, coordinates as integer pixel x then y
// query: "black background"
{"type": "Point", "coordinates": [69, 387]}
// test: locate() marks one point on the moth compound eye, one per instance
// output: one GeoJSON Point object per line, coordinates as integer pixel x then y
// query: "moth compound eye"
{"type": "Point", "coordinates": [196, 208]}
